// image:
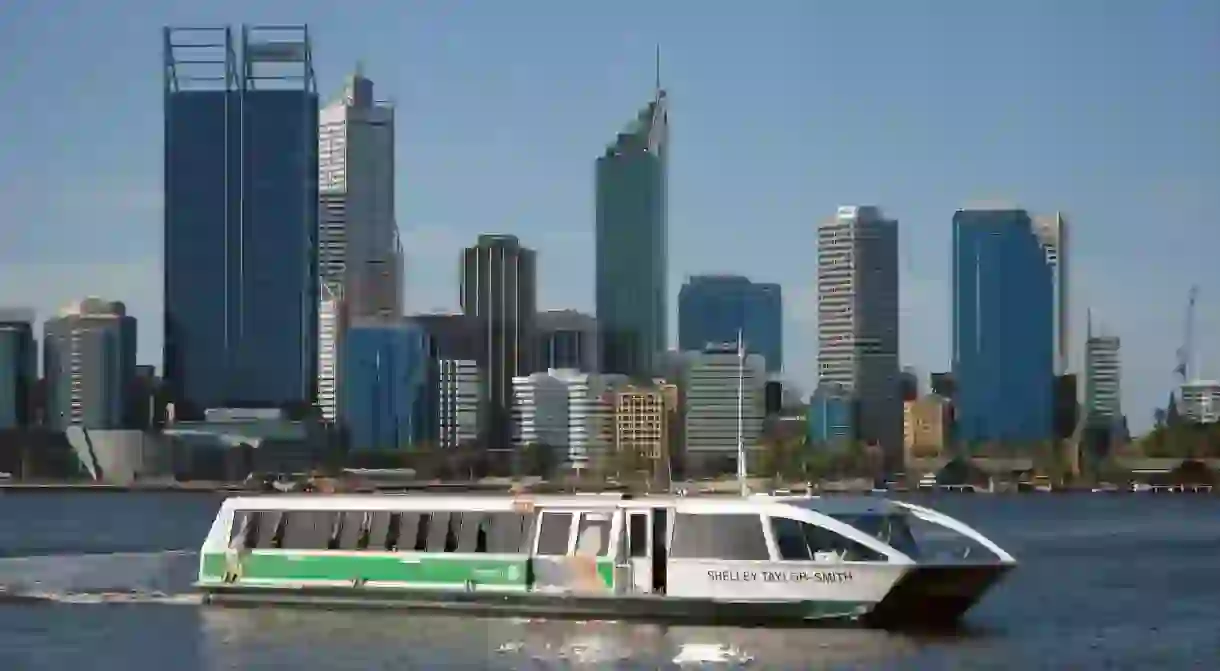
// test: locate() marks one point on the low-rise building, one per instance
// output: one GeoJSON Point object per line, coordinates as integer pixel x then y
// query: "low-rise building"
{"type": "Point", "coordinates": [926, 426]}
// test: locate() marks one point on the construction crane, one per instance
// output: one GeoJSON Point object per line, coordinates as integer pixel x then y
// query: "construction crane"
{"type": "Point", "coordinates": [1185, 366]}
{"type": "Point", "coordinates": [1186, 352]}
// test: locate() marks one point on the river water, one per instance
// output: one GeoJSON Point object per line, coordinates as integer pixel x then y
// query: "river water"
{"type": "Point", "coordinates": [1113, 582]}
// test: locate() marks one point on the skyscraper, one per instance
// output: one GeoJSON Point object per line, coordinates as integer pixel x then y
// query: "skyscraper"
{"type": "Point", "coordinates": [713, 308]}
{"type": "Point", "coordinates": [1103, 379]}
{"type": "Point", "coordinates": [241, 227]}
{"type": "Point", "coordinates": [359, 248]}
{"type": "Point", "coordinates": [18, 368]}
{"type": "Point", "coordinates": [89, 359]}
{"type": "Point", "coordinates": [858, 321]}
{"type": "Point", "coordinates": [499, 292]}
{"type": "Point", "coordinates": [389, 387]}
{"type": "Point", "coordinates": [632, 242]}
{"type": "Point", "coordinates": [565, 339]}
{"type": "Point", "coordinates": [1052, 232]}
{"type": "Point", "coordinates": [1003, 328]}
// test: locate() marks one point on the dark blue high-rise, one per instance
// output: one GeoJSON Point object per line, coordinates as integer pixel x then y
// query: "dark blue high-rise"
{"type": "Point", "coordinates": [1003, 329]}
{"type": "Point", "coordinates": [241, 203]}
{"type": "Point", "coordinates": [388, 391]}
{"type": "Point", "coordinates": [712, 308]}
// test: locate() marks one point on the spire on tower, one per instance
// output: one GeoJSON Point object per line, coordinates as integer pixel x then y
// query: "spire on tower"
{"type": "Point", "coordinates": [657, 88]}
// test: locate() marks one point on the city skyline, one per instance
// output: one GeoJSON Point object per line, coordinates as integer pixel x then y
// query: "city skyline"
{"type": "Point", "coordinates": [1106, 214]}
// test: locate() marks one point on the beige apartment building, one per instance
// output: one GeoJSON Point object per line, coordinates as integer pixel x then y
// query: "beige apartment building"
{"type": "Point", "coordinates": [926, 424]}
{"type": "Point", "coordinates": [643, 421]}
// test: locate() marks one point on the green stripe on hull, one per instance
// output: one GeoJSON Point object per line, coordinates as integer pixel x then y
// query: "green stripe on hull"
{"type": "Point", "coordinates": [450, 570]}
{"type": "Point", "coordinates": [300, 566]}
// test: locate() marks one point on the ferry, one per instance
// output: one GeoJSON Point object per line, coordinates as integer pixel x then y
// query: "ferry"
{"type": "Point", "coordinates": [754, 559]}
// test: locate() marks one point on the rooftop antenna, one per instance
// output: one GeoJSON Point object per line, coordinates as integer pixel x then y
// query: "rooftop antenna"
{"type": "Point", "coordinates": [657, 85]}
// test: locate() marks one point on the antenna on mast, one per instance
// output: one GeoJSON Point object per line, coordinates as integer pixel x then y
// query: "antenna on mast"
{"type": "Point", "coordinates": [657, 65]}
{"type": "Point", "coordinates": [742, 473]}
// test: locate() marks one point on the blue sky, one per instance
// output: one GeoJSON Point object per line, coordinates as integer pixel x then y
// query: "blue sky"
{"type": "Point", "coordinates": [781, 111]}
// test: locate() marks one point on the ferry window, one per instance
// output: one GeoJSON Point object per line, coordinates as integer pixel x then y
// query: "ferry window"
{"type": "Point", "coordinates": [393, 531]}
{"type": "Point", "coordinates": [378, 530]}
{"type": "Point", "coordinates": [336, 529]}
{"type": "Point", "coordinates": [451, 534]}
{"type": "Point", "coordinates": [270, 539]}
{"type": "Point", "coordinates": [468, 537]}
{"type": "Point", "coordinates": [506, 533]}
{"type": "Point", "coordinates": [638, 535]}
{"type": "Point", "coordinates": [553, 533]}
{"type": "Point", "coordinates": [889, 529]}
{"type": "Point", "coordinates": [529, 528]}
{"type": "Point", "coordinates": [408, 532]}
{"type": "Point", "coordinates": [790, 539]}
{"type": "Point", "coordinates": [421, 534]}
{"type": "Point", "coordinates": [593, 535]}
{"type": "Point", "coordinates": [350, 530]}
{"type": "Point", "coordinates": [245, 530]}
{"type": "Point", "coordinates": [438, 532]}
{"type": "Point", "coordinates": [731, 536]}
{"type": "Point", "coordinates": [307, 530]}
{"type": "Point", "coordinates": [825, 540]}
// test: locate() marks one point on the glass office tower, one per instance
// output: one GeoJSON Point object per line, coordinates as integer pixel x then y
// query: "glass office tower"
{"type": "Point", "coordinates": [1003, 329]}
{"type": "Point", "coordinates": [388, 393]}
{"type": "Point", "coordinates": [241, 203]}
{"type": "Point", "coordinates": [632, 244]}
{"type": "Point", "coordinates": [712, 308]}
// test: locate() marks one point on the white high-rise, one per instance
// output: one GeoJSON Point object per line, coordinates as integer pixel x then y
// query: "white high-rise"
{"type": "Point", "coordinates": [858, 320]}
{"type": "Point", "coordinates": [330, 327]}
{"type": "Point", "coordinates": [358, 242]}
{"type": "Point", "coordinates": [710, 382]}
{"type": "Point", "coordinates": [566, 409]}
{"type": "Point", "coordinates": [1052, 232]}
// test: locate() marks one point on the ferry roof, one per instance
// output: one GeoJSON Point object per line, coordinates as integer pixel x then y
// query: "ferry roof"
{"type": "Point", "coordinates": [844, 505]}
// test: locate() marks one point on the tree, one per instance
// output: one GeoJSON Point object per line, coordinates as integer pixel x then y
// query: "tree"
{"type": "Point", "coordinates": [777, 459]}
{"type": "Point", "coordinates": [631, 465]}
{"type": "Point", "coordinates": [1050, 460]}
{"type": "Point", "coordinates": [538, 460]}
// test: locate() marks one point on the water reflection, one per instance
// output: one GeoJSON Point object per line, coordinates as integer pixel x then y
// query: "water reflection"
{"type": "Point", "coordinates": [244, 638]}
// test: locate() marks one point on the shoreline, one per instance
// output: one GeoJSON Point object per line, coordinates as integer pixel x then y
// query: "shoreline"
{"type": "Point", "coordinates": [214, 487]}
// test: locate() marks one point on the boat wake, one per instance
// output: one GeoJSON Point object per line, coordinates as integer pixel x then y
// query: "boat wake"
{"type": "Point", "coordinates": [104, 578]}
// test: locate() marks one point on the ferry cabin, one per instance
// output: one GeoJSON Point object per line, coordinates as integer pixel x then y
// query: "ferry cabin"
{"type": "Point", "coordinates": [827, 557]}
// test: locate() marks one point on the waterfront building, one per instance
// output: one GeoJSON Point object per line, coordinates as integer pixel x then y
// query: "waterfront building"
{"type": "Point", "coordinates": [927, 425]}
{"type": "Point", "coordinates": [1103, 379]}
{"type": "Point", "coordinates": [388, 390]}
{"type": "Point", "coordinates": [832, 416]}
{"type": "Point", "coordinates": [458, 399]}
{"type": "Point", "coordinates": [858, 321]}
{"type": "Point", "coordinates": [1052, 231]}
{"type": "Point", "coordinates": [240, 218]}
{"type": "Point", "coordinates": [714, 308]}
{"type": "Point", "coordinates": [566, 339]}
{"type": "Point", "coordinates": [644, 422]}
{"type": "Point", "coordinates": [1003, 329]}
{"type": "Point", "coordinates": [18, 368]}
{"type": "Point", "coordinates": [1200, 401]}
{"type": "Point", "coordinates": [332, 321]}
{"type": "Point", "coordinates": [359, 247]}
{"type": "Point", "coordinates": [499, 293]}
{"type": "Point", "coordinates": [632, 244]}
{"type": "Point", "coordinates": [540, 411]}
{"type": "Point", "coordinates": [708, 382]}
{"type": "Point", "coordinates": [89, 360]}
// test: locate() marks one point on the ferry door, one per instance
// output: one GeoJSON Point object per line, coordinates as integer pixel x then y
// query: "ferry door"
{"type": "Point", "coordinates": [552, 543]}
{"type": "Point", "coordinates": [646, 549]}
